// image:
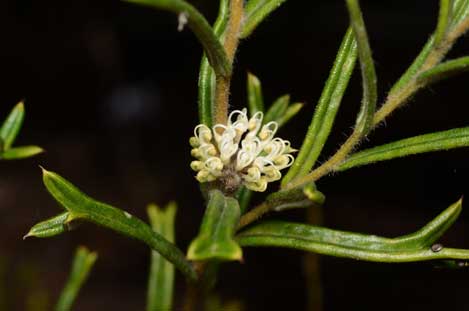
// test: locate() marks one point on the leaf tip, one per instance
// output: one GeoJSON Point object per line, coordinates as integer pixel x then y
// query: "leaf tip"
{"type": "Point", "coordinates": [27, 235]}
{"type": "Point", "coordinates": [20, 105]}
{"type": "Point", "coordinates": [44, 171]}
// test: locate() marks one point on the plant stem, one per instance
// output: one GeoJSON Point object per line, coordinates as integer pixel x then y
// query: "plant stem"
{"type": "Point", "coordinates": [330, 164]}
{"type": "Point", "coordinates": [402, 95]}
{"type": "Point", "coordinates": [231, 44]}
{"type": "Point", "coordinates": [392, 102]}
{"type": "Point", "coordinates": [254, 214]}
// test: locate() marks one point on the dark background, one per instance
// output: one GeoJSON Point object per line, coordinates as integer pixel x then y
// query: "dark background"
{"type": "Point", "coordinates": [111, 94]}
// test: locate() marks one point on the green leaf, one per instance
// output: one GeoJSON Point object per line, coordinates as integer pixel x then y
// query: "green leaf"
{"type": "Point", "coordinates": [365, 117]}
{"type": "Point", "coordinates": [460, 11]}
{"type": "Point", "coordinates": [255, 12]}
{"type": "Point", "coordinates": [207, 79]}
{"type": "Point", "coordinates": [326, 109]}
{"type": "Point", "coordinates": [444, 140]}
{"type": "Point", "coordinates": [243, 196]}
{"type": "Point", "coordinates": [444, 70]}
{"type": "Point", "coordinates": [215, 238]}
{"type": "Point", "coordinates": [48, 228]}
{"type": "Point", "coordinates": [82, 207]}
{"type": "Point", "coordinates": [82, 264]}
{"type": "Point", "coordinates": [278, 109]}
{"type": "Point", "coordinates": [414, 68]}
{"type": "Point", "coordinates": [415, 247]}
{"type": "Point", "coordinates": [254, 89]}
{"type": "Point", "coordinates": [444, 20]}
{"type": "Point", "coordinates": [292, 111]}
{"type": "Point", "coordinates": [12, 125]}
{"type": "Point", "coordinates": [161, 277]}
{"type": "Point", "coordinates": [22, 152]}
{"type": "Point", "coordinates": [201, 28]}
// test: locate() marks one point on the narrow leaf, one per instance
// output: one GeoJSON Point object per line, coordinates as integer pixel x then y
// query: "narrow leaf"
{"type": "Point", "coordinates": [414, 247]}
{"type": "Point", "coordinates": [50, 227]}
{"type": "Point", "coordinates": [292, 110]}
{"type": "Point", "coordinates": [82, 207]}
{"type": "Point", "coordinates": [365, 116]}
{"type": "Point", "coordinates": [444, 70]}
{"type": "Point", "coordinates": [215, 238]}
{"type": "Point", "coordinates": [254, 89]}
{"type": "Point", "coordinates": [256, 11]}
{"type": "Point", "coordinates": [414, 68]}
{"type": "Point", "coordinates": [161, 277]}
{"type": "Point", "coordinates": [207, 78]}
{"type": "Point", "coordinates": [201, 28]}
{"type": "Point", "coordinates": [444, 140]}
{"type": "Point", "coordinates": [326, 109]}
{"type": "Point", "coordinates": [278, 109]}
{"type": "Point", "coordinates": [243, 196]}
{"type": "Point", "coordinates": [22, 152]}
{"type": "Point", "coordinates": [444, 20]}
{"type": "Point", "coordinates": [460, 11]}
{"type": "Point", "coordinates": [82, 264]}
{"type": "Point", "coordinates": [12, 125]}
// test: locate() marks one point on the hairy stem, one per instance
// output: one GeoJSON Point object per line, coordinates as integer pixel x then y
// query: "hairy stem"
{"type": "Point", "coordinates": [254, 214]}
{"type": "Point", "coordinates": [231, 44]}
{"type": "Point", "coordinates": [402, 95]}
{"type": "Point", "coordinates": [393, 101]}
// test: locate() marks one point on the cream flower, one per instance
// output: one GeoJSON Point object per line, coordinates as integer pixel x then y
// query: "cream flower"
{"type": "Point", "coordinates": [242, 152]}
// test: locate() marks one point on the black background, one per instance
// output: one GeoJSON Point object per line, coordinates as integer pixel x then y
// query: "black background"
{"type": "Point", "coordinates": [111, 94]}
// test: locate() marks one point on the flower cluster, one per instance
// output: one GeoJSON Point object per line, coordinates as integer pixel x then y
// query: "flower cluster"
{"type": "Point", "coordinates": [244, 150]}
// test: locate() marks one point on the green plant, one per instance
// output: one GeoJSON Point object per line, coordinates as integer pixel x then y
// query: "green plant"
{"type": "Point", "coordinates": [236, 154]}
{"type": "Point", "coordinates": [8, 133]}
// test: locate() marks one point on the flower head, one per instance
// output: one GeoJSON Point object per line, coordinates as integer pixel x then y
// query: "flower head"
{"type": "Point", "coordinates": [242, 152]}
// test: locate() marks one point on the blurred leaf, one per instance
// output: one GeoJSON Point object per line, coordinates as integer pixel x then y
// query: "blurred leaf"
{"type": "Point", "coordinates": [444, 70]}
{"type": "Point", "coordinates": [365, 116]}
{"type": "Point", "coordinates": [22, 152]}
{"type": "Point", "coordinates": [413, 247]}
{"type": "Point", "coordinates": [278, 109]}
{"type": "Point", "coordinates": [82, 207]}
{"type": "Point", "coordinates": [50, 227]}
{"type": "Point", "coordinates": [444, 20]}
{"type": "Point", "coordinates": [82, 264]}
{"type": "Point", "coordinates": [161, 277]}
{"type": "Point", "coordinates": [255, 100]}
{"type": "Point", "coordinates": [215, 238]}
{"type": "Point", "coordinates": [201, 28]}
{"type": "Point", "coordinates": [207, 79]}
{"type": "Point", "coordinates": [455, 138]}
{"type": "Point", "coordinates": [255, 12]}
{"type": "Point", "coordinates": [326, 109]}
{"type": "Point", "coordinates": [451, 264]}
{"type": "Point", "coordinates": [12, 125]}
{"type": "Point", "coordinates": [292, 111]}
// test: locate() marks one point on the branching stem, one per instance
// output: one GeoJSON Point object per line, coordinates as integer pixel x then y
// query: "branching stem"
{"type": "Point", "coordinates": [394, 100]}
